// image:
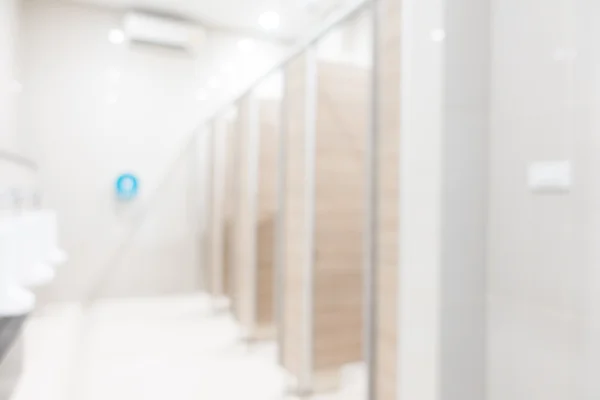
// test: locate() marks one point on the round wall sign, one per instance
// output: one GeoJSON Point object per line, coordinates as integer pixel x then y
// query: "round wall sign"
{"type": "Point", "coordinates": [126, 187]}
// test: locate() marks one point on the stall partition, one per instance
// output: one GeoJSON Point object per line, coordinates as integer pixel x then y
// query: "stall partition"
{"type": "Point", "coordinates": [266, 222]}
{"type": "Point", "coordinates": [207, 238]}
{"type": "Point", "coordinates": [326, 119]}
{"type": "Point", "coordinates": [255, 193]}
{"type": "Point", "coordinates": [387, 181]}
{"type": "Point", "coordinates": [342, 118]}
{"type": "Point", "coordinates": [216, 283]}
{"type": "Point", "coordinates": [294, 210]}
{"type": "Point", "coordinates": [231, 175]}
{"type": "Point", "coordinates": [296, 291]}
{"type": "Point", "coordinates": [243, 241]}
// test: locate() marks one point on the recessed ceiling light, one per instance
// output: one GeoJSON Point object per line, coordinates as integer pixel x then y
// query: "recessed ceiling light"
{"type": "Point", "coordinates": [246, 45]}
{"type": "Point", "coordinates": [438, 35]}
{"type": "Point", "coordinates": [269, 20]}
{"type": "Point", "coordinates": [116, 36]}
{"type": "Point", "coordinates": [213, 83]}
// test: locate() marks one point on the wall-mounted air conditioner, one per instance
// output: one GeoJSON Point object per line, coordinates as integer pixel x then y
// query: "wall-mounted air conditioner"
{"type": "Point", "coordinates": [163, 31]}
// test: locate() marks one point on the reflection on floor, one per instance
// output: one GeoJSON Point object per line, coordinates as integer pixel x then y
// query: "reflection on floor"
{"type": "Point", "coordinates": [167, 348]}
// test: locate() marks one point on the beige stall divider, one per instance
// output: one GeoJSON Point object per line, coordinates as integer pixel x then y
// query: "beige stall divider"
{"type": "Point", "coordinates": [388, 42]}
{"type": "Point", "coordinates": [335, 284]}
{"type": "Point", "coordinates": [254, 272]}
{"type": "Point", "coordinates": [342, 120]}
{"type": "Point", "coordinates": [244, 253]}
{"type": "Point", "coordinates": [268, 161]}
{"type": "Point", "coordinates": [231, 178]}
{"type": "Point", "coordinates": [217, 217]}
{"type": "Point", "coordinates": [241, 243]}
{"type": "Point", "coordinates": [208, 239]}
{"type": "Point", "coordinates": [293, 341]}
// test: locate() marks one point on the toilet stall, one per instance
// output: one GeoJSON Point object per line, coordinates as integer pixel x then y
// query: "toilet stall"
{"type": "Point", "coordinates": [294, 205]}
{"type": "Point", "coordinates": [266, 220]}
{"type": "Point", "coordinates": [229, 202]}
{"type": "Point", "coordinates": [327, 119]}
{"type": "Point", "coordinates": [218, 141]}
{"type": "Point", "coordinates": [255, 215]}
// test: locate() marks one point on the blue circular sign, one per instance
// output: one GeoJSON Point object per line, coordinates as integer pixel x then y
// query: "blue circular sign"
{"type": "Point", "coordinates": [126, 187]}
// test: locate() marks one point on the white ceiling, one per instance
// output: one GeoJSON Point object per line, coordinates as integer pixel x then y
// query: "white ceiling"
{"type": "Point", "coordinates": [296, 15]}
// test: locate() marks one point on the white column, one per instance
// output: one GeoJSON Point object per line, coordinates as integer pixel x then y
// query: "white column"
{"type": "Point", "coordinates": [443, 199]}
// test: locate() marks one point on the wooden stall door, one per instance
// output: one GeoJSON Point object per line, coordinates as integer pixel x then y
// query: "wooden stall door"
{"type": "Point", "coordinates": [208, 243]}
{"type": "Point", "coordinates": [231, 177]}
{"type": "Point", "coordinates": [388, 40]}
{"type": "Point", "coordinates": [244, 271]}
{"type": "Point", "coordinates": [342, 122]}
{"type": "Point", "coordinates": [293, 345]}
{"type": "Point", "coordinates": [268, 160]}
{"type": "Point", "coordinates": [217, 211]}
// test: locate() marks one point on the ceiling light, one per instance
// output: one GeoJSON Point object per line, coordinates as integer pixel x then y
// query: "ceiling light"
{"type": "Point", "coordinates": [246, 45]}
{"type": "Point", "coordinates": [213, 83]}
{"type": "Point", "coordinates": [269, 20]}
{"type": "Point", "coordinates": [438, 35]}
{"type": "Point", "coordinates": [228, 68]}
{"type": "Point", "coordinates": [116, 36]}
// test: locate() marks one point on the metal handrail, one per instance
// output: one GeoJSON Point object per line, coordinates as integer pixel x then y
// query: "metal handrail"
{"type": "Point", "coordinates": [348, 12]}
{"type": "Point", "coordinates": [18, 160]}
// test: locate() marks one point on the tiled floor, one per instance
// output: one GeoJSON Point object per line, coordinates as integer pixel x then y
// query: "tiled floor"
{"type": "Point", "coordinates": [167, 348]}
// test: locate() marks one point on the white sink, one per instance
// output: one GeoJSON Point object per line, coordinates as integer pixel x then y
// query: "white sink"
{"type": "Point", "coordinates": [14, 299]}
{"type": "Point", "coordinates": [35, 269]}
{"type": "Point", "coordinates": [29, 252]}
{"type": "Point", "coordinates": [31, 268]}
{"type": "Point", "coordinates": [53, 254]}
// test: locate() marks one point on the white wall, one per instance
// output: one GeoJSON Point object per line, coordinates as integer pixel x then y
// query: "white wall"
{"type": "Point", "coordinates": [541, 272]}
{"type": "Point", "coordinates": [235, 70]}
{"type": "Point", "coordinates": [543, 279]}
{"type": "Point", "coordinates": [12, 176]}
{"type": "Point", "coordinates": [91, 110]}
{"type": "Point", "coordinates": [82, 141]}
{"type": "Point", "coordinates": [351, 42]}
{"type": "Point", "coordinates": [9, 14]}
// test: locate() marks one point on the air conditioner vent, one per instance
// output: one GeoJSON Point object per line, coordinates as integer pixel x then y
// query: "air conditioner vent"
{"type": "Point", "coordinates": [164, 32]}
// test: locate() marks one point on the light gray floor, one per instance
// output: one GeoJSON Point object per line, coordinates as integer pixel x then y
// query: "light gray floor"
{"type": "Point", "coordinates": [166, 348]}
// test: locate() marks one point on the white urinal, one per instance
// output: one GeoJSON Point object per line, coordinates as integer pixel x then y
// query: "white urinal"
{"type": "Point", "coordinates": [14, 299]}
{"type": "Point", "coordinates": [55, 256]}
{"type": "Point", "coordinates": [34, 270]}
